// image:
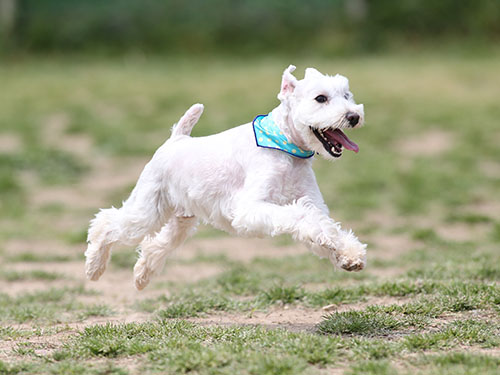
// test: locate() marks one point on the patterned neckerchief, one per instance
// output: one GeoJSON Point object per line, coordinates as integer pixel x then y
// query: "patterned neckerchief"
{"type": "Point", "coordinates": [269, 135]}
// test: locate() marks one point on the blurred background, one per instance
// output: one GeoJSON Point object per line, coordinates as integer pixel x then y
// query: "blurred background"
{"type": "Point", "coordinates": [320, 27]}
{"type": "Point", "coordinates": [89, 89]}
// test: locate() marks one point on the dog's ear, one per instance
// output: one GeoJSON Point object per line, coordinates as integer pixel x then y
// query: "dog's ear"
{"type": "Point", "coordinates": [311, 73]}
{"type": "Point", "coordinates": [288, 83]}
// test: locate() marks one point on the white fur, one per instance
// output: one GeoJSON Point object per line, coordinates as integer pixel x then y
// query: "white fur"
{"type": "Point", "coordinates": [227, 181]}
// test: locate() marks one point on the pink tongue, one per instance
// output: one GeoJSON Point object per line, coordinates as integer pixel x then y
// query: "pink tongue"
{"type": "Point", "coordinates": [338, 136]}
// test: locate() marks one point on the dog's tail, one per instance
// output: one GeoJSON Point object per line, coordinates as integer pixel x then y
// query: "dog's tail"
{"type": "Point", "coordinates": [187, 122]}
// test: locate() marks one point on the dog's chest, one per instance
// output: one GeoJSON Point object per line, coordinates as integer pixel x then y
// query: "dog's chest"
{"type": "Point", "coordinates": [288, 182]}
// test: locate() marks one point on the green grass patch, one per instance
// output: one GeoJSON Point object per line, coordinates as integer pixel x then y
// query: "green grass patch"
{"type": "Point", "coordinates": [282, 294]}
{"type": "Point", "coordinates": [238, 290]}
{"type": "Point", "coordinates": [194, 305]}
{"type": "Point", "coordinates": [358, 323]}
{"type": "Point", "coordinates": [182, 347]}
{"type": "Point", "coordinates": [95, 310]}
{"type": "Point", "coordinates": [45, 306]}
{"type": "Point", "coordinates": [456, 363]}
{"type": "Point", "coordinates": [11, 333]}
{"type": "Point", "coordinates": [461, 332]}
{"type": "Point", "coordinates": [69, 367]}
{"type": "Point", "coordinates": [372, 368]}
{"type": "Point", "coordinates": [239, 281]}
{"type": "Point", "coordinates": [10, 275]}
{"type": "Point", "coordinates": [38, 258]}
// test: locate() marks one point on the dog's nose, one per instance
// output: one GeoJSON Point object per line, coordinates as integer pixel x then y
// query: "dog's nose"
{"type": "Point", "coordinates": [353, 118]}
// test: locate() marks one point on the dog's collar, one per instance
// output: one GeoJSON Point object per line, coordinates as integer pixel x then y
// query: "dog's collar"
{"type": "Point", "coordinates": [268, 135]}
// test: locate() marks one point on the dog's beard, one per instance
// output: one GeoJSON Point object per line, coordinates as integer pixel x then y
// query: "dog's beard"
{"type": "Point", "coordinates": [334, 140]}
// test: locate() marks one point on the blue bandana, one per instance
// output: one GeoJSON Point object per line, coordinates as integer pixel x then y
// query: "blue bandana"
{"type": "Point", "coordinates": [269, 135]}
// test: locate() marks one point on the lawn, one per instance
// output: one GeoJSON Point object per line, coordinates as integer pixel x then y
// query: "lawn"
{"type": "Point", "coordinates": [423, 192]}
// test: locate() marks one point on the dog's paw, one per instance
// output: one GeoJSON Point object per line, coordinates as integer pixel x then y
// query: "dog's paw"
{"type": "Point", "coordinates": [142, 274]}
{"type": "Point", "coordinates": [350, 264]}
{"type": "Point", "coordinates": [94, 272]}
{"type": "Point", "coordinates": [350, 256]}
{"type": "Point", "coordinates": [96, 262]}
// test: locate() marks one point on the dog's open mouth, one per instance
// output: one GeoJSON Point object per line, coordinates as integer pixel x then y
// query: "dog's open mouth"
{"type": "Point", "coordinates": [334, 140]}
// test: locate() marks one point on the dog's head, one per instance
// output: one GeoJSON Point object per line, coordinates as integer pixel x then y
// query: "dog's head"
{"type": "Point", "coordinates": [319, 108]}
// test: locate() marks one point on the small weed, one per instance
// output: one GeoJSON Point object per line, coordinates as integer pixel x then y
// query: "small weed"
{"type": "Point", "coordinates": [11, 333]}
{"type": "Point", "coordinates": [24, 349]}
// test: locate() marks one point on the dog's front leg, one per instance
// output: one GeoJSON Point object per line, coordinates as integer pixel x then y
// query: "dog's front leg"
{"type": "Point", "coordinates": [349, 253]}
{"type": "Point", "coordinates": [306, 223]}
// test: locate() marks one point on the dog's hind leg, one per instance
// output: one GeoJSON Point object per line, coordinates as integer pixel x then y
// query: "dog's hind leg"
{"type": "Point", "coordinates": [141, 215]}
{"type": "Point", "coordinates": [112, 226]}
{"type": "Point", "coordinates": [154, 250]}
{"type": "Point", "coordinates": [100, 240]}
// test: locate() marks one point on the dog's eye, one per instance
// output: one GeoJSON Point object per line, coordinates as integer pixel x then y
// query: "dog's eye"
{"type": "Point", "coordinates": [346, 96]}
{"type": "Point", "coordinates": [321, 98]}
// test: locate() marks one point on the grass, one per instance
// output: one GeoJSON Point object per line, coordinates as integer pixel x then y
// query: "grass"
{"type": "Point", "coordinates": [30, 257]}
{"type": "Point", "coordinates": [9, 275]}
{"type": "Point", "coordinates": [191, 305]}
{"type": "Point", "coordinates": [438, 364]}
{"type": "Point", "coordinates": [358, 322]}
{"type": "Point", "coordinates": [427, 173]}
{"type": "Point", "coordinates": [467, 332]}
{"type": "Point", "coordinates": [53, 305]}
{"type": "Point", "coordinates": [95, 310]}
{"type": "Point", "coordinates": [183, 347]}
{"type": "Point", "coordinates": [458, 364]}
{"type": "Point", "coordinates": [61, 368]}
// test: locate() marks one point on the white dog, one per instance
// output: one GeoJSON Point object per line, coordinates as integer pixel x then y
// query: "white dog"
{"type": "Point", "coordinates": [252, 180]}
